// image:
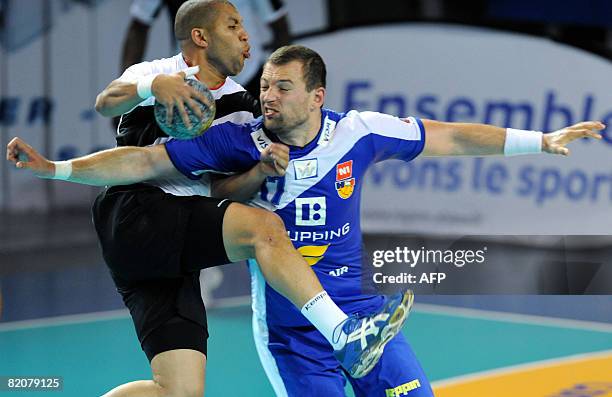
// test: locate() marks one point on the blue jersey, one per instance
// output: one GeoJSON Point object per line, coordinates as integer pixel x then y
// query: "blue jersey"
{"type": "Point", "coordinates": [318, 198]}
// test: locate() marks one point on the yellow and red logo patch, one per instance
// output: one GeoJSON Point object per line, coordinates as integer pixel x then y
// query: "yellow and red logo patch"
{"type": "Point", "coordinates": [345, 183]}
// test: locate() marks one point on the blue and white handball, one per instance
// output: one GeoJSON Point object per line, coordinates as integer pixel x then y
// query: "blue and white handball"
{"type": "Point", "coordinates": [177, 128]}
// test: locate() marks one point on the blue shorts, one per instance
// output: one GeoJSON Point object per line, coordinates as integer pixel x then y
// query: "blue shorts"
{"type": "Point", "coordinates": [299, 362]}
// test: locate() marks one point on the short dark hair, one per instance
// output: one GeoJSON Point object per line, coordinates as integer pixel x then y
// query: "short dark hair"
{"type": "Point", "coordinates": [196, 14]}
{"type": "Point", "coordinates": [312, 64]}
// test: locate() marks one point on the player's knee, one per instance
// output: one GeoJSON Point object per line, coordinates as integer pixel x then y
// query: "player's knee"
{"type": "Point", "coordinates": [270, 230]}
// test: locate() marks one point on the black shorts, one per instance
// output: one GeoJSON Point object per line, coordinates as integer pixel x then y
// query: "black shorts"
{"type": "Point", "coordinates": [154, 244]}
{"type": "Point", "coordinates": [162, 308]}
{"type": "Point", "coordinates": [176, 333]}
{"type": "Point", "coordinates": [146, 233]}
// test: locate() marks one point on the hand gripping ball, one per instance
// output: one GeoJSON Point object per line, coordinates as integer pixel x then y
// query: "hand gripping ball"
{"type": "Point", "coordinates": [177, 128]}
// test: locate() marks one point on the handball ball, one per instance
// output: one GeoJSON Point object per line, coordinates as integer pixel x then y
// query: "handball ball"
{"type": "Point", "coordinates": [177, 128]}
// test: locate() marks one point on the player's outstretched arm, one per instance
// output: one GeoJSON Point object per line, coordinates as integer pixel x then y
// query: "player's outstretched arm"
{"type": "Point", "coordinates": [273, 162]}
{"type": "Point", "coordinates": [118, 166]}
{"type": "Point", "coordinates": [464, 139]}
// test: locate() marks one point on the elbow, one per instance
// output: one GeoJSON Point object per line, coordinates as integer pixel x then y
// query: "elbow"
{"type": "Point", "coordinates": [102, 105]}
{"type": "Point", "coordinates": [108, 102]}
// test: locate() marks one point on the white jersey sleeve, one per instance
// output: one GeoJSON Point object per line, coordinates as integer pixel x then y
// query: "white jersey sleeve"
{"type": "Point", "coordinates": [392, 137]}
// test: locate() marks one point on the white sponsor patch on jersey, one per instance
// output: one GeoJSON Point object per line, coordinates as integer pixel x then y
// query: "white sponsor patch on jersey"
{"type": "Point", "coordinates": [310, 211]}
{"type": "Point", "coordinates": [261, 139]}
{"type": "Point", "coordinates": [329, 127]}
{"type": "Point", "coordinates": [305, 169]}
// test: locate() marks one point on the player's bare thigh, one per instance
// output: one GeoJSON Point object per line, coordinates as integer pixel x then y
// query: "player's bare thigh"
{"type": "Point", "coordinates": [180, 372]}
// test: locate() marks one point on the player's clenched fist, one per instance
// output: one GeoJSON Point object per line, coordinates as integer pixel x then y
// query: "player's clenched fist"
{"type": "Point", "coordinates": [24, 156]}
{"type": "Point", "coordinates": [274, 160]}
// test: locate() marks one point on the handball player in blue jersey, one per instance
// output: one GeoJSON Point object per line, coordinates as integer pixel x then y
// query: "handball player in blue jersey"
{"type": "Point", "coordinates": [318, 199]}
{"type": "Point", "coordinates": [156, 236]}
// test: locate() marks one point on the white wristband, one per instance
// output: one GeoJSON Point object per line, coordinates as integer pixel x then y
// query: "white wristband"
{"type": "Point", "coordinates": [143, 86]}
{"type": "Point", "coordinates": [63, 170]}
{"type": "Point", "coordinates": [522, 142]}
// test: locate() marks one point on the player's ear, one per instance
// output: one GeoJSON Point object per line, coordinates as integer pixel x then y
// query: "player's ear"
{"type": "Point", "coordinates": [199, 37]}
{"type": "Point", "coordinates": [319, 97]}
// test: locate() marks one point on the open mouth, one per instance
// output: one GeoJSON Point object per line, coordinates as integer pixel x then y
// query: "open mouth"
{"type": "Point", "coordinates": [270, 112]}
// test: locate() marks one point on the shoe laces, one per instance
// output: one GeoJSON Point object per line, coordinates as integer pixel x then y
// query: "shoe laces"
{"type": "Point", "coordinates": [359, 328]}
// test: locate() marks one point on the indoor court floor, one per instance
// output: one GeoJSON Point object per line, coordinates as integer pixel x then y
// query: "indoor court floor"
{"type": "Point", "coordinates": [465, 352]}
